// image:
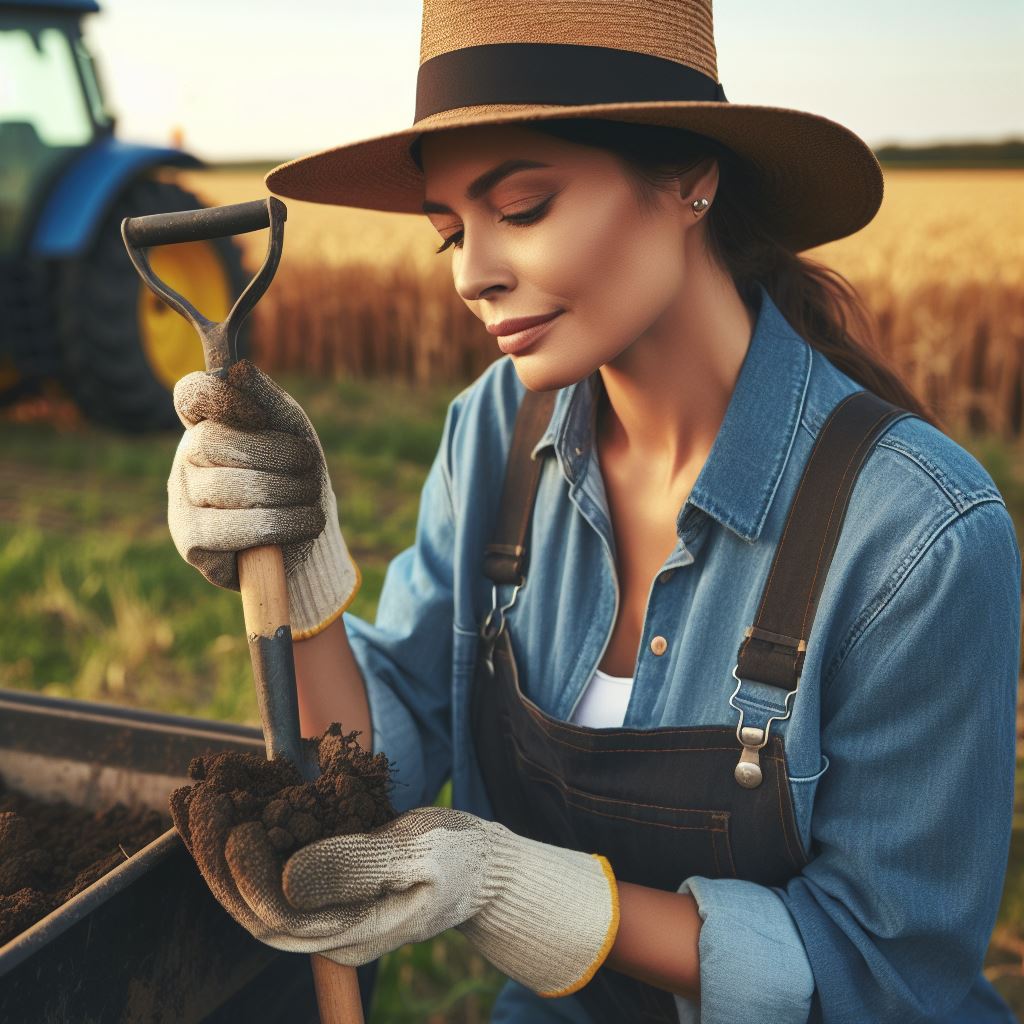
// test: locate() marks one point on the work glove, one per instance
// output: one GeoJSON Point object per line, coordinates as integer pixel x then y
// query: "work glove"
{"type": "Point", "coordinates": [543, 915]}
{"type": "Point", "coordinates": [250, 470]}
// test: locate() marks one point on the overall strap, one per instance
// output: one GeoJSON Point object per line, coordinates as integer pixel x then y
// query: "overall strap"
{"type": "Point", "coordinates": [772, 649]}
{"type": "Point", "coordinates": [505, 558]}
{"type": "Point", "coordinates": [771, 653]}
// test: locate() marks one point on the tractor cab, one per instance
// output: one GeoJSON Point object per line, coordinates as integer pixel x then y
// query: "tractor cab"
{"type": "Point", "coordinates": [51, 107]}
{"type": "Point", "coordinates": [72, 307]}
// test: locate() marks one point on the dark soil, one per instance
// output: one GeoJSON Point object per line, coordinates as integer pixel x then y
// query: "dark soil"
{"type": "Point", "coordinates": [350, 795]}
{"type": "Point", "coordinates": [50, 852]}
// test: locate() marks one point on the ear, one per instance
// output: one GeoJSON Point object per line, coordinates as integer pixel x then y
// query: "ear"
{"type": "Point", "coordinates": [700, 182]}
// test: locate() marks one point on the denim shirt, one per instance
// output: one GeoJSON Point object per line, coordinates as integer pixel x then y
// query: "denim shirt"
{"type": "Point", "coordinates": [900, 744]}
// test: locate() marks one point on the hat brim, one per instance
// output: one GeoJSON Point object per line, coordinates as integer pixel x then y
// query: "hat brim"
{"type": "Point", "coordinates": [816, 181]}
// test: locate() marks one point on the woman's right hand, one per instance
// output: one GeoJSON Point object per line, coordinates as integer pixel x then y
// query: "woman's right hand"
{"type": "Point", "coordinates": [250, 470]}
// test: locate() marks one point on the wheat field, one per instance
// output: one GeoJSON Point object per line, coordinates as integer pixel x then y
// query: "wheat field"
{"type": "Point", "coordinates": [941, 266]}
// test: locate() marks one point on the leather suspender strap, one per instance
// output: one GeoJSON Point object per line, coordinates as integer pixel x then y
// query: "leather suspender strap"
{"type": "Point", "coordinates": [505, 558]}
{"type": "Point", "coordinates": [772, 649]}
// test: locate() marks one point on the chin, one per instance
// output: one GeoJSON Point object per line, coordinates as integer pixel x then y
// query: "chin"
{"type": "Point", "coordinates": [539, 374]}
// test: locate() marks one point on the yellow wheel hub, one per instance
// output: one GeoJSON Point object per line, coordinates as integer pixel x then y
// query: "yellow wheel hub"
{"type": "Point", "coordinates": [171, 344]}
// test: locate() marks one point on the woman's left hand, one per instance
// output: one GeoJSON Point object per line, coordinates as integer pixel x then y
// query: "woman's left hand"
{"type": "Point", "coordinates": [544, 915]}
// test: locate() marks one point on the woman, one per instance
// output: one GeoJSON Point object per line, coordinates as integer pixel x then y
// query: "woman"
{"type": "Point", "coordinates": [665, 805]}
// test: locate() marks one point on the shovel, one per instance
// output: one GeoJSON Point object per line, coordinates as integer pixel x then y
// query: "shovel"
{"type": "Point", "coordinates": [260, 569]}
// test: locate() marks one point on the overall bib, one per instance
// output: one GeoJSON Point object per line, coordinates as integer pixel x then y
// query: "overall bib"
{"type": "Point", "coordinates": [665, 803]}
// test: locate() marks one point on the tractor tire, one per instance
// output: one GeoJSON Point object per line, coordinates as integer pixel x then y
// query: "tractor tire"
{"type": "Point", "coordinates": [122, 347]}
{"type": "Point", "coordinates": [14, 387]}
{"type": "Point", "coordinates": [27, 346]}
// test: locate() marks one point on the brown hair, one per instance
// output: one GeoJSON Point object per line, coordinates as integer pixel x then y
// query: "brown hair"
{"type": "Point", "coordinates": [822, 306]}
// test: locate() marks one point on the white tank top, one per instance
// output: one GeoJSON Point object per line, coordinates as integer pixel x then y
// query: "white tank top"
{"type": "Point", "coordinates": [604, 701]}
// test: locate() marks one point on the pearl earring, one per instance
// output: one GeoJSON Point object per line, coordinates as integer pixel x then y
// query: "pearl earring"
{"type": "Point", "coordinates": [699, 206]}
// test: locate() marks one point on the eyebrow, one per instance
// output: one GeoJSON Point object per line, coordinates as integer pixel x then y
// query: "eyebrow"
{"type": "Point", "coordinates": [486, 182]}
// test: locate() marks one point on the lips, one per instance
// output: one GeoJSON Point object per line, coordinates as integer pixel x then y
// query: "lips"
{"type": "Point", "coordinates": [506, 327]}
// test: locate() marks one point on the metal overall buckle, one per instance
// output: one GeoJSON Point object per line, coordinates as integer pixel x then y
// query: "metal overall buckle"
{"type": "Point", "coordinates": [489, 637]}
{"type": "Point", "coordinates": [753, 738]}
{"type": "Point", "coordinates": [760, 705]}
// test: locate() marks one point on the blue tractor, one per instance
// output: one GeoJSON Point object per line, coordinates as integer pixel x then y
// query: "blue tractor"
{"type": "Point", "coordinates": [72, 306]}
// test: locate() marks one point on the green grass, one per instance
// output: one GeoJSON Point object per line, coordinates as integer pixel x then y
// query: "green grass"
{"type": "Point", "coordinates": [98, 605]}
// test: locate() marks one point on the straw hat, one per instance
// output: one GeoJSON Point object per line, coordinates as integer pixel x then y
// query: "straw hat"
{"type": "Point", "coordinates": [487, 62]}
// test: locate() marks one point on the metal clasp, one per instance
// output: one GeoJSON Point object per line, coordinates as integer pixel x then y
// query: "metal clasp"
{"type": "Point", "coordinates": [748, 769]}
{"type": "Point", "coordinates": [502, 610]}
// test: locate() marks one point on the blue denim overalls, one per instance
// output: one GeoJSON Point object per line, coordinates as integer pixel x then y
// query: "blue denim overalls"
{"type": "Point", "coordinates": [666, 803]}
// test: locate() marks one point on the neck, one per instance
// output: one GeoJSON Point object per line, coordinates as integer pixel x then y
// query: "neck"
{"type": "Point", "coordinates": [664, 397]}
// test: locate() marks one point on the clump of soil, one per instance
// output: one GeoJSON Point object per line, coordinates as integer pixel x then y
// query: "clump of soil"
{"type": "Point", "coordinates": [50, 852]}
{"type": "Point", "coordinates": [350, 795]}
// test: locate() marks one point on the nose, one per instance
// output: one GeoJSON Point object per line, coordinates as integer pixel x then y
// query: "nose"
{"type": "Point", "coordinates": [480, 267]}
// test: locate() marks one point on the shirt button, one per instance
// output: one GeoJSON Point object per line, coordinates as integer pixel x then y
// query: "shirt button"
{"type": "Point", "coordinates": [666, 576]}
{"type": "Point", "coordinates": [659, 644]}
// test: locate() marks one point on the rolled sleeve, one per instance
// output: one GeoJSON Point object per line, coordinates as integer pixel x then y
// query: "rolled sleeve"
{"type": "Point", "coordinates": [751, 956]}
{"type": "Point", "coordinates": [405, 656]}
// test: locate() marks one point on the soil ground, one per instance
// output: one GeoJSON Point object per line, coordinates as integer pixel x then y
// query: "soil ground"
{"type": "Point", "coordinates": [50, 852]}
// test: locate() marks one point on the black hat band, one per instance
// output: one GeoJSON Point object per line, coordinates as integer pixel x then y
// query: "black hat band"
{"type": "Point", "coordinates": [561, 73]}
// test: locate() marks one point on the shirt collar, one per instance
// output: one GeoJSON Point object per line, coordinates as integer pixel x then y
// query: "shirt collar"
{"type": "Point", "coordinates": [739, 479]}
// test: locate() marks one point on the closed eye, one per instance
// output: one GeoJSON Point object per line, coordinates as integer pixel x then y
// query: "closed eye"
{"type": "Point", "coordinates": [516, 219]}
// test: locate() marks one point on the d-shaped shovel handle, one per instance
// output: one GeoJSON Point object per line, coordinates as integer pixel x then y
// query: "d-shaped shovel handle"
{"type": "Point", "coordinates": [199, 225]}
{"type": "Point", "coordinates": [261, 571]}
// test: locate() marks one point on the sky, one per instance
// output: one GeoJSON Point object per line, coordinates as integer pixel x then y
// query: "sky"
{"type": "Point", "coordinates": [255, 79]}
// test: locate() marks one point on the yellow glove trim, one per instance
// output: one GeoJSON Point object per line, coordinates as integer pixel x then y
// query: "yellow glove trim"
{"type": "Point", "coordinates": [609, 939]}
{"type": "Point", "coordinates": [305, 634]}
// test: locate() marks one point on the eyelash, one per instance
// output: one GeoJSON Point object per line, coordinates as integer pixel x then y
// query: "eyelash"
{"type": "Point", "coordinates": [516, 219]}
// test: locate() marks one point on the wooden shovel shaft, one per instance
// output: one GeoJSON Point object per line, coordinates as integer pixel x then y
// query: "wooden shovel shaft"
{"type": "Point", "coordinates": [264, 589]}
{"type": "Point", "coordinates": [265, 607]}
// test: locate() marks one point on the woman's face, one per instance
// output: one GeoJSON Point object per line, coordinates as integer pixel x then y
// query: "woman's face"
{"type": "Point", "coordinates": [582, 244]}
